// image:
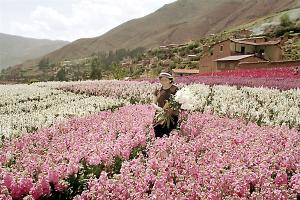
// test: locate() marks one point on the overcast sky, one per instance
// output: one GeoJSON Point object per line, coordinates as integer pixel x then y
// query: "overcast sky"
{"type": "Point", "coordinates": [70, 19]}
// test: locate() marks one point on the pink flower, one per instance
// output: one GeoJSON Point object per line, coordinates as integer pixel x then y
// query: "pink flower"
{"type": "Point", "coordinates": [295, 182]}
{"type": "Point", "coordinates": [61, 186]}
{"type": "Point", "coordinates": [25, 185]}
{"type": "Point", "coordinates": [44, 185]}
{"type": "Point", "coordinates": [281, 179]}
{"type": "Point", "coordinates": [8, 180]}
{"type": "Point", "coordinates": [53, 176]}
{"type": "Point", "coordinates": [36, 191]}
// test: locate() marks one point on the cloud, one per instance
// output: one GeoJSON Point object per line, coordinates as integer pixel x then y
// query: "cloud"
{"type": "Point", "coordinates": [82, 18]}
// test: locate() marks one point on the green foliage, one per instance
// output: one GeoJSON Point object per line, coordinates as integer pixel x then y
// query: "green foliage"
{"type": "Point", "coordinates": [285, 20]}
{"type": "Point", "coordinates": [182, 53]}
{"type": "Point", "coordinates": [192, 46]}
{"type": "Point", "coordinates": [117, 166]}
{"type": "Point", "coordinates": [96, 72]}
{"type": "Point", "coordinates": [44, 63]}
{"type": "Point", "coordinates": [197, 50]}
{"type": "Point", "coordinates": [136, 152]}
{"type": "Point", "coordinates": [155, 71]}
{"type": "Point", "coordinates": [181, 66]}
{"type": "Point", "coordinates": [120, 54]}
{"type": "Point", "coordinates": [175, 50]}
{"type": "Point", "coordinates": [137, 52]}
{"type": "Point", "coordinates": [297, 42]}
{"type": "Point", "coordinates": [173, 65]}
{"type": "Point", "coordinates": [280, 31]}
{"type": "Point", "coordinates": [76, 183]}
{"type": "Point", "coordinates": [161, 56]}
{"type": "Point", "coordinates": [11, 162]}
{"type": "Point", "coordinates": [117, 72]}
{"type": "Point", "coordinates": [137, 71]}
{"type": "Point", "coordinates": [61, 75]}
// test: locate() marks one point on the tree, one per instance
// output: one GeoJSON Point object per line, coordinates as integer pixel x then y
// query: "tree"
{"type": "Point", "coordinates": [44, 63]}
{"type": "Point", "coordinates": [285, 20]}
{"type": "Point", "coordinates": [120, 54]}
{"type": "Point", "coordinates": [117, 72]}
{"type": "Point", "coordinates": [96, 72]}
{"type": "Point", "coordinates": [136, 52]}
{"type": "Point", "coordinates": [110, 58]}
{"type": "Point", "coordinates": [61, 75]}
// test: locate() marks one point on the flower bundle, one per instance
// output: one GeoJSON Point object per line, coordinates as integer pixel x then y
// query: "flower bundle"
{"type": "Point", "coordinates": [184, 99]}
{"type": "Point", "coordinates": [165, 116]}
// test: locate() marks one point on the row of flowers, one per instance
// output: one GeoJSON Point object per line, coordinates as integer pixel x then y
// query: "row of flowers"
{"type": "Point", "coordinates": [32, 107]}
{"type": "Point", "coordinates": [260, 105]}
{"type": "Point", "coordinates": [112, 155]}
{"type": "Point", "coordinates": [279, 72]}
{"type": "Point", "coordinates": [281, 83]}
{"type": "Point", "coordinates": [20, 93]}
{"type": "Point", "coordinates": [131, 91]}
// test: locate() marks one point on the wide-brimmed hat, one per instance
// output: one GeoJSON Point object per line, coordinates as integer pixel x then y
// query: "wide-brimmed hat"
{"type": "Point", "coordinates": [166, 74]}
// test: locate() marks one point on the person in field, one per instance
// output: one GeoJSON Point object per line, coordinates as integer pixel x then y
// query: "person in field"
{"type": "Point", "coordinates": [161, 97]}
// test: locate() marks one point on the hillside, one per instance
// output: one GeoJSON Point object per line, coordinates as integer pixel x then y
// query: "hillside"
{"type": "Point", "coordinates": [177, 22]}
{"type": "Point", "coordinates": [83, 59]}
{"type": "Point", "coordinates": [15, 49]}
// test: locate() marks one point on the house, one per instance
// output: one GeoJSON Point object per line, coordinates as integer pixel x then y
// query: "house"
{"type": "Point", "coordinates": [212, 53]}
{"type": "Point", "coordinates": [183, 72]}
{"type": "Point", "coordinates": [261, 47]}
{"type": "Point", "coordinates": [271, 50]}
{"type": "Point", "coordinates": [232, 62]}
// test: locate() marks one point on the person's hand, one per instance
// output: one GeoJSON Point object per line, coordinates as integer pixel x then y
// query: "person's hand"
{"type": "Point", "coordinates": [169, 111]}
{"type": "Point", "coordinates": [157, 107]}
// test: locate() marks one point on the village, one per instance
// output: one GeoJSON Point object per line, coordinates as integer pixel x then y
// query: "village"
{"type": "Point", "coordinates": [240, 51]}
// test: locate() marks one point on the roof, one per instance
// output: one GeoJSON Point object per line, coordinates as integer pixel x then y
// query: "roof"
{"type": "Point", "coordinates": [186, 71]}
{"type": "Point", "coordinates": [256, 43]}
{"type": "Point", "coordinates": [233, 58]}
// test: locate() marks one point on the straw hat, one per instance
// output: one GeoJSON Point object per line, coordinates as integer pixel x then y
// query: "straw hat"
{"type": "Point", "coordinates": [166, 74]}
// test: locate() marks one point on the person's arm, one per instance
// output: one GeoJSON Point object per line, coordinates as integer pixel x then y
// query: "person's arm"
{"type": "Point", "coordinates": [174, 89]}
{"type": "Point", "coordinates": [155, 93]}
{"type": "Point", "coordinates": [154, 104]}
{"type": "Point", "coordinates": [155, 97]}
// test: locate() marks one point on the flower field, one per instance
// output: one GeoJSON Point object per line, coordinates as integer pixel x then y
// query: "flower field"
{"type": "Point", "coordinates": [95, 140]}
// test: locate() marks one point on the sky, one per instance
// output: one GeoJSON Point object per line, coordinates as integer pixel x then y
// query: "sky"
{"type": "Point", "coordinates": [70, 19]}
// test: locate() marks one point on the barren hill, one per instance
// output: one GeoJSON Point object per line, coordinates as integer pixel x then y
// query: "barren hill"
{"type": "Point", "coordinates": [15, 49]}
{"type": "Point", "coordinates": [177, 22]}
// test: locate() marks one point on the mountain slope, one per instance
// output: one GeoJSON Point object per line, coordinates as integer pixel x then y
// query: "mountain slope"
{"type": "Point", "coordinates": [15, 49]}
{"type": "Point", "coordinates": [177, 22]}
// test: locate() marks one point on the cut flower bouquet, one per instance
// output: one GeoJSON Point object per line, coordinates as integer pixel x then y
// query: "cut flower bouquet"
{"type": "Point", "coordinates": [183, 100]}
